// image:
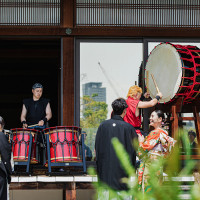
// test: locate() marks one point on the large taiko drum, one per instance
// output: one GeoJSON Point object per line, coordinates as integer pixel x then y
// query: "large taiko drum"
{"type": "Point", "coordinates": [20, 144]}
{"type": "Point", "coordinates": [64, 143]}
{"type": "Point", "coordinates": [176, 69]}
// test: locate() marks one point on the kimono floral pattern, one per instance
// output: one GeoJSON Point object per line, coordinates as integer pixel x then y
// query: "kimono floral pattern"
{"type": "Point", "coordinates": [156, 144]}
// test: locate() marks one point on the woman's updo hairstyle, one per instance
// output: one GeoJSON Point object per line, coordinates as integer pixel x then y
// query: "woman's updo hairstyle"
{"type": "Point", "coordinates": [160, 114]}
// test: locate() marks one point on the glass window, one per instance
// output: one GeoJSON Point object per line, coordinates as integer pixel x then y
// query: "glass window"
{"type": "Point", "coordinates": [107, 70]}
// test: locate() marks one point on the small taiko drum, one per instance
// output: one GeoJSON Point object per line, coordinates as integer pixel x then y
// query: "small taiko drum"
{"type": "Point", "coordinates": [176, 70]}
{"type": "Point", "coordinates": [20, 144]}
{"type": "Point", "coordinates": [64, 143]}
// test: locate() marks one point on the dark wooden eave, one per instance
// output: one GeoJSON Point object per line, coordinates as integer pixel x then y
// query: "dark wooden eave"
{"type": "Point", "coordinates": [99, 31]}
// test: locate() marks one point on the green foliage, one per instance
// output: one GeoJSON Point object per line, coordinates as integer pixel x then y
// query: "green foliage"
{"type": "Point", "coordinates": [166, 189]}
{"type": "Point", "coordinates": [93, 112]}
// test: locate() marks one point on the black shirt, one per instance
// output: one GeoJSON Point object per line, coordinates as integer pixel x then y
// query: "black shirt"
{"type": "Point", "coordinates": [36, 110]}
{"type": "Point", "coordinates": [108, 166]}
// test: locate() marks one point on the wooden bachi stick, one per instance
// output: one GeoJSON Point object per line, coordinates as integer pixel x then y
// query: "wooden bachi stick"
{"type": "Point", "coordinates": [32, 125]}
{"type": "Point", "coordinates": [154, 81]}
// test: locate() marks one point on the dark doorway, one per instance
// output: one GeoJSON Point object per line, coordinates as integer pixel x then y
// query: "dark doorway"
{"type": "Point", "coordinates": [24, 62]}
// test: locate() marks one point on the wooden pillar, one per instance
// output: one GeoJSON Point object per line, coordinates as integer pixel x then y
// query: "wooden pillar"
{"type": "Point", "coordinates": [67, 13]}
{"type": "Point", "coordinates": [67, 21]}
{"type": "Point", "coordinates": [68, 80]}
{"type": "Point", "coordinates": [197, 122]}
{"type": "Point", "coordinates": [146, 111]}
{"type": "Point", "coordinates": [70, 192]}
{"type": "Point", "coordinates": [174, 121]}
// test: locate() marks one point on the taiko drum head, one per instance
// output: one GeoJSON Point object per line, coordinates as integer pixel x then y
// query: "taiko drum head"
{"type": "Point", "coordinates": [165, 64]}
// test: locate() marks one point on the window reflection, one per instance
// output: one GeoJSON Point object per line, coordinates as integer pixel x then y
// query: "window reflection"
{"type": "Point", "coordinates": [107, 70]}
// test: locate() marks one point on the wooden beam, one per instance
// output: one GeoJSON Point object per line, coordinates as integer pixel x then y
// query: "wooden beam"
{"type": "Point", "coordinates": [68, 80]}
{"type": "Point", "coordinates": [135, 32]}
{"type": "Point", "coordinates": [98, 31]}
{"type": "Point", "coordinates": [84, 185]}
{"type": "Point", "coordinates": [32, 31]}
{"type": "Point", "coordinates": [193, 157]}
{"type": "Point", "coordinates": [40, 186]}
{"type": "Point", "coordinates": [184, 118]}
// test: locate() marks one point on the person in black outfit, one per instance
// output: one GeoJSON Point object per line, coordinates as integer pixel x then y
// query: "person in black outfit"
{"type": "Point", "coordinates": [36, 110]}
{"type": "Point", "coordinates": [193, 145]}
{"type": "Point", "coordinates": [88, 152]}
{"type": "Point", "coordinates": [192, 135]}
{"type": "Point", "coordinates": [5, 164]}
{"type": "Point", "coordinates": [108, 165]}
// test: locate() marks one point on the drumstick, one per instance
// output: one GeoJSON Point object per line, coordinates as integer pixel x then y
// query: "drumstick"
{"type": "Point", "coordinates": [33, 125]}
{"type": "Point", "coordinates": [154, 81]}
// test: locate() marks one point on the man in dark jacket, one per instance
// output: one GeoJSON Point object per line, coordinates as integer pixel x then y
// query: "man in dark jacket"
{"type": "Point", "coordinates": [108, 165]}
{"type": "Point", "coordinates": [5, 165]}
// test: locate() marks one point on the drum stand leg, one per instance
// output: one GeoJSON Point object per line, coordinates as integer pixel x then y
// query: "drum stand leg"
{"type": "Point", "coordinates": [44, 156]}
{"type": "Point", "coordinates": [83, 153]}
{"type": "Point", "coordinates": [48, 153]}
{"type": "Point", "coordinates": [174, 121]}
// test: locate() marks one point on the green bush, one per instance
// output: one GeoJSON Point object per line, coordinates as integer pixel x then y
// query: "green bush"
{"type": "Point", "coordinates": [169, 188]}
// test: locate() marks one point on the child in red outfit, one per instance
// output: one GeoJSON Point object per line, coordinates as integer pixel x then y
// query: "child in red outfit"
{"type": "Point", "coordinates": [134, 103]}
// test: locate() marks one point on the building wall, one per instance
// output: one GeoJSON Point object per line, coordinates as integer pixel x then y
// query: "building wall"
{"type": "Point", "coordinates": [92, 88]}
{"type": "Point", "coordinates": [81, 194]}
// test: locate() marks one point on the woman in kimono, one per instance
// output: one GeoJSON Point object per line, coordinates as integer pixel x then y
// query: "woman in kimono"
{"type": "Point", "coordinates": [155, 145]}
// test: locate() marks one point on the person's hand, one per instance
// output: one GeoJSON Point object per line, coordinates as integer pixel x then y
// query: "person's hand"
{"type": "Point", "coordinates": [146, 95]}
{"type": "Point", "coordinates": [140, 138]}
{"type": "Point", "coordinates": [41, 123]}
{"type": "Point", "coordinates": [160, 95]}
{"type": "Point", "coordinates": [25, 125]}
